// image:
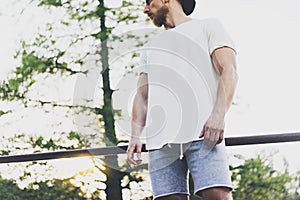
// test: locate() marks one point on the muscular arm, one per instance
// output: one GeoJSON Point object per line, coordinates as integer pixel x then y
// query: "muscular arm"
{"type": "Point", "coordinates": [139, 113]}
{"type": "Point", "coordinates": [225, 64]}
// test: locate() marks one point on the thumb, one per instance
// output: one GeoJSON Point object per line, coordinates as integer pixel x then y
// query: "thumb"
{"type": "Point", "coordinates": [139, 151]}
{"type": "Point", "coordinates": [202, 133]}
{"type": "Point", "coordinates": [204, 129]}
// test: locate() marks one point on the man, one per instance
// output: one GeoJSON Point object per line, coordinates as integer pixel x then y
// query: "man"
{"type": "Point", "coordinates": [190, 50]}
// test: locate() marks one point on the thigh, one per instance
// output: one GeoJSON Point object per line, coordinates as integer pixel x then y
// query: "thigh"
{"type": "Point", "coordinates": [212, 170]}
{"type": "Point", "coordinates": [168, 173]}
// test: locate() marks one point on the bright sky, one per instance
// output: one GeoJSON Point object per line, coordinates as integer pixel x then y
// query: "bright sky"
{"type": "Point", "coordinates": [266, 34]}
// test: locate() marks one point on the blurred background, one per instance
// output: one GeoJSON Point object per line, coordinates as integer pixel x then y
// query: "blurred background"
{"type": "Point", "coordinates": [62, 63]}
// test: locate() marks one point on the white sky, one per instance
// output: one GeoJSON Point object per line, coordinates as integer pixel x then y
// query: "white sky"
{"type": "Point", "coordinates": [266, 34]}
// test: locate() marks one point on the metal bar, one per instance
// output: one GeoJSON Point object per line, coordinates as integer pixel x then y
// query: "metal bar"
{"type": "Point", "coordinates": [263, 139]}
{"type": "Point", "coordinates": [112, 150]}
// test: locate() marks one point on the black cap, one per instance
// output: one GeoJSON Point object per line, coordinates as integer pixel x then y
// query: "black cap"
{"type": "Point", "coordinates": [188, 6]}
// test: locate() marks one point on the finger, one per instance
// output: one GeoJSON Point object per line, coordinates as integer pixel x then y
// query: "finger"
{"type": "Point", "coordinates": [221, 137]}
{"type": "Point", "coordinates": [201, 134]}
{"type": "Point", "coordinates": [207, 145]}
{"type": "Point", "coordinates": [129, 150]}
{"type": "Point", "coordinates": [206, 148]}
{"type": "Point", "coordinates": [138, 162]}
{"type": "Point", "coordinates": [139, 153]}
{"type": "Point", "coordinates": [206, 133]}
{"type": "Point", "coordinates": [132, 151]}
{"type": "Point", "coordinates": [130, 155]}
{"type": "Point", "coordinates": [216, 135]}
{"type": "Point", "coordinates": [202, 131]}
{"type": "Point", "coordinates": [130, 158]}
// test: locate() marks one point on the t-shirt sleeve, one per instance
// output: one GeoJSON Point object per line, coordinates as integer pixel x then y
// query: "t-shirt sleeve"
{"type": "Point", "coordinates": [218, 36]}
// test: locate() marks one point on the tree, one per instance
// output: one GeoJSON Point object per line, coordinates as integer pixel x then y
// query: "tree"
{"type": "Point", "coordinates": [257, 179]}
{"type": "Point", "coordinates": [53, 55]}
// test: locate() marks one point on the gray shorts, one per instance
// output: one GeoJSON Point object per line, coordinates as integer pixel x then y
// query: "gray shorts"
{"type": "Point", "coordinates": [169, 173]}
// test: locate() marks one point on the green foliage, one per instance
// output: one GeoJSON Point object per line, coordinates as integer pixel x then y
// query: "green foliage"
{"type": "Point", "coordinates": [55, 189]}
{"type": "Point", "coordinates": [2, 112]}
{"type": "Point", "coordinates": [84, 30]}
{"type": "Point", "coordinates": [59, 141]}
{"type": "Point", "coordinates": [45, 54]}
{"type": "Point", "coordinates": [18, 86]}
{"type": "Point", "coordinates": [55, 3]}
{"type": "Point", "coordinates": [74, 141]}
{"type": "Point", "coordinates": [12, 144]}
{"type": "Point", "coordinates": [9, 90]}
{"type": "Point", "coordinates": [9, 190]}
{"type": "Point", "coordinates": [256, 179]}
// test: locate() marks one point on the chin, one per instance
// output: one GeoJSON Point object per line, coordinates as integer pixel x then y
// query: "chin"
{"type": "Point", "coordinates": [158, 22]}
{"type": "Point", "coordinates": [158, 25]}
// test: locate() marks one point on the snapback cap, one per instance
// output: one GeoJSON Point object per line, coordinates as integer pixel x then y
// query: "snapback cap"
{"type": "Point", "coordinates": [188, 6]}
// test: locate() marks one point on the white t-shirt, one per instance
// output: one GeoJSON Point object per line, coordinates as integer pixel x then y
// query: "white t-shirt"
{"type": "Point", "coordinates": [182, 81]}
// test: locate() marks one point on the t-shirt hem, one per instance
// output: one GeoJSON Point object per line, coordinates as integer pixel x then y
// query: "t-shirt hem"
{"type": "Point", "coordinates": [154, 147]}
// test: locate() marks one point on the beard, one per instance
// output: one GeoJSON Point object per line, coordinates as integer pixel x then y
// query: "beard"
{"type": "Point", "coordinates": [160, 18]}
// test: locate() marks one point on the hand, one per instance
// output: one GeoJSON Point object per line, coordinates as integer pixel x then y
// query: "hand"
{"type": "Point", "coordinates": [213, 133]}
{"type": "Point", "coordinates": [134, 148]}
{"type": "Point", "coordinates": [213, 130]}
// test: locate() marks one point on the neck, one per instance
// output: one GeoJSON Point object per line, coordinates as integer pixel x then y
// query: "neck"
{"type": "Point", "coordinates": [175, 17]}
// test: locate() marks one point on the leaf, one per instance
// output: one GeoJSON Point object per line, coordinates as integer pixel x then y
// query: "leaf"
{"type": "Point", "coordinates": [55, 3]}
{"type": "Point", "coordinates": [256, 179]}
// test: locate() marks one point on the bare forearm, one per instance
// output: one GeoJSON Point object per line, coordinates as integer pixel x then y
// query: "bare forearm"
{"type": "Point", "coordinates": [213, 130]}
{"type": "Point", "coordinates": [225, 65]}
{"type": "Point", "coordinates": [139, 113]}
{"type": "Point", "coordinates": [226, 89]}
{"type": "Point", "coordinates": [139, 109]}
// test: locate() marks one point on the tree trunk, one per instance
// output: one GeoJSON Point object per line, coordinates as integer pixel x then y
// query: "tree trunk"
{"type": "Point", "coordinates": [114, 175]}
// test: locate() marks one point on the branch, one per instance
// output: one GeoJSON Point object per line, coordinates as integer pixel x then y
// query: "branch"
{"type": "Point", "coordinates": [95, 110]}
{"type": "Point", "coordinates": [60, 66]}
{"type": "Point", "coordinates": [4, 112]}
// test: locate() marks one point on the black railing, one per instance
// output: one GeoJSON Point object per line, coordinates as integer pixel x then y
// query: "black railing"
{"type": "Point", "coordinates": [112, 150]}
